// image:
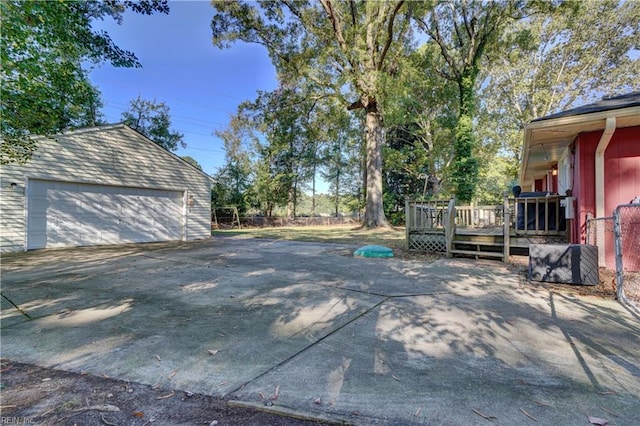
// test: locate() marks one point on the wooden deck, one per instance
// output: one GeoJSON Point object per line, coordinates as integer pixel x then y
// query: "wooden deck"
{"type": "Point", "coordinates": [454, 230]}
{"type": "Point", "coordinates": [486, 230]}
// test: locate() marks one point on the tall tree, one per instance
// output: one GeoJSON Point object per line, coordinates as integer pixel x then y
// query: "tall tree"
{"type": "Point", "coordinates": [583, 51]}
{"type": "Point", "coordinates": [152, 119]}
{"type": "Point", "coordinates": [420, 117]}
{"type": "Point", "coordinates": [43, 46]}
{"type": "Point", "coordinates": [283, 118]}
{"type": "Point", "coordinates": [465, 30]}
{"type": "Point", "coordinates": [336, 44]}
{"type": "Point", "coordinates": [236, 177]}
{"type": "Point", "coordinates": [340, 155]}
{"type": "Point", "coordinates": [272, 186]}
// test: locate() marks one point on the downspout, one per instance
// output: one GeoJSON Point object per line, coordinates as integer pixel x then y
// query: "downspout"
{"type": "Point", "coordinates": [607, 134]}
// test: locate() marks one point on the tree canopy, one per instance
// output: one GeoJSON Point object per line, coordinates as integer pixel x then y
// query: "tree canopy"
{"type": "Point", "coordinates": [552, 62]}
{"type": "Point", "coordinates": [465, 31]}
{"type": "Point", "coordinates": [444, 87]}
{"type": "Point", "coordinates": [382, 100]}
{"type": "Point", "coordinates": [335, 48]}
{"type": "Point", "coordinates": [152, 119]}
{"type": "Point", "coordinates": [43, 47]}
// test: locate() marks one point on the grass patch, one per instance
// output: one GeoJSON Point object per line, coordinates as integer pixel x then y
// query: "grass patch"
{"type": "Point", "coordinates": [390, 237]}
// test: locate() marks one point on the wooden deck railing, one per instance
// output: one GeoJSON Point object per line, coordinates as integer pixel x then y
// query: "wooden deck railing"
{"type": "Point", "coordinates": [425, 215]}
{"type": "Point", "coordinates": [479, 216]}
{"type": "Point", "coordinates": [430, 215]}
{"type": "Point", "coordinates": [538, 215]}
{"type": "Point", "coordinates": [517, 217]}
{"type": "Point", "coordinates": [529, 215]}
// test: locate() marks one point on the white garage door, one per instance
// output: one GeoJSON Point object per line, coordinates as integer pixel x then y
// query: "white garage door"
{"type": "Point", "coordinates": [61, 214]}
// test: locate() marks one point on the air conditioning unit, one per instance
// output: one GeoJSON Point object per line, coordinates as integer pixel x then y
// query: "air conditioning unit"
{"type": "Point", "coordinates": [564, 263]}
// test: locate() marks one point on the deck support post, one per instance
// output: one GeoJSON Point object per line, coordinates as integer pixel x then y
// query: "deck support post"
{"type": "Point", "coordinates": [450, 225]}
{"type": "Point", "coordinates": [409, 222]}
{"type": "Point", "coordinates": [506, 225]}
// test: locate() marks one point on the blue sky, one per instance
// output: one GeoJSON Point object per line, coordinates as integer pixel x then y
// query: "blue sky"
{"type": "Point", "coordinates": [202, 85]}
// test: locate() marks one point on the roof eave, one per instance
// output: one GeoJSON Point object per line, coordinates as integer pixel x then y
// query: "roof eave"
{"type": "Point", "coordinates": [625, 117]}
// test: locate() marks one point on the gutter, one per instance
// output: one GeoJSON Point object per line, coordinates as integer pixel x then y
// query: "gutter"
{"type": "Point", "coordinates": [607, 134]}
{"type": "Point", "coordinates": [524, 158]}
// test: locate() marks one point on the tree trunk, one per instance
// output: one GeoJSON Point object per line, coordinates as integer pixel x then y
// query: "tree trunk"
{"type": "Point", "coordinates": [374, 214]}
{"type": "Point", "coordinates": [337, 194]}
{"type": "Point", "coordinates": [465, 167]}
{"type": "Point", "coordinates": [291, 203]}
{"type": "Point", "coordinates": [313, 191]}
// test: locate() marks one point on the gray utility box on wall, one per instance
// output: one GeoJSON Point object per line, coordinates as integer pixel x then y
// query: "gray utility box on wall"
{"type": "Point", "coordinates": [564, 263]}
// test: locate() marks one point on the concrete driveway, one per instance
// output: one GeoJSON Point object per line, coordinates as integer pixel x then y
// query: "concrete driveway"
{"type": "Point", "coordinates": [365, 341]}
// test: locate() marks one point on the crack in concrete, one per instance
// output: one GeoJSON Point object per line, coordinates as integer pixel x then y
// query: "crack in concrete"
{"type": "Point", "coordinates": [329, 334]}
{"type": "Point", "coordinates": [307, 347]}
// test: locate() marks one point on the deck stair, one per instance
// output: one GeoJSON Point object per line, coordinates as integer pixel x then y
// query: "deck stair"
{"type": "Point", "coordinates": [491, 246]}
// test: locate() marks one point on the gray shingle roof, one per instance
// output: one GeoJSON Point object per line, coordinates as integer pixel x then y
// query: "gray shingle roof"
{"type": "Point", "coordinates": [606, 104]}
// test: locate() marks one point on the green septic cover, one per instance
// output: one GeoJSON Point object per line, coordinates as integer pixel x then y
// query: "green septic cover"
{"type": "Point", "coordinates": [374, 251]}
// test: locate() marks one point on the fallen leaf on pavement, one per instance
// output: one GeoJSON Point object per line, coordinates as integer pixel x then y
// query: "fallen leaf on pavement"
{"type": "Point", "coordinates": [483, 415]}
{"type": "Point", "coordinates": [158, 357]}
{"type": "Point", "coordinates": [598, 421]}
{"type": "Point", "coordinates": [106, 422]}
{"type": "Point", "coordinates": [138, 414]}
{"type": "Point", "coordinates": [276, 393]}
{"type": "Point", "coordinates": [527, 414]}
{"type": "Point", "coordinates": [169, 395]}
{"type": "Point", "coordinates": [103, 407]}
{"type": "Point", "coordinates": [610, 412]}
{"type": "Point", "coordinates": [173, 373]}
{"type": "Point", "coordinates": [213, 351]}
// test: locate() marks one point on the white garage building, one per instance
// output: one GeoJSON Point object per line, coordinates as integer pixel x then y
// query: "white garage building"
{"type": "Point", "coordinates": [101, 185]}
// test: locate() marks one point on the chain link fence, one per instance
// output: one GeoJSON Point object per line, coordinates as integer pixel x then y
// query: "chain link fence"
{"type": "Point", "coordinates": [619, 238]}
{"type": "Point", "coordinates": [597, 231]}
{"type": "Point", "coordinates": [627, 248]}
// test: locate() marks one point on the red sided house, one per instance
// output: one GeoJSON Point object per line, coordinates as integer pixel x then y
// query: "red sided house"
{"type": "Point", "coordinates": [592, 151]}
